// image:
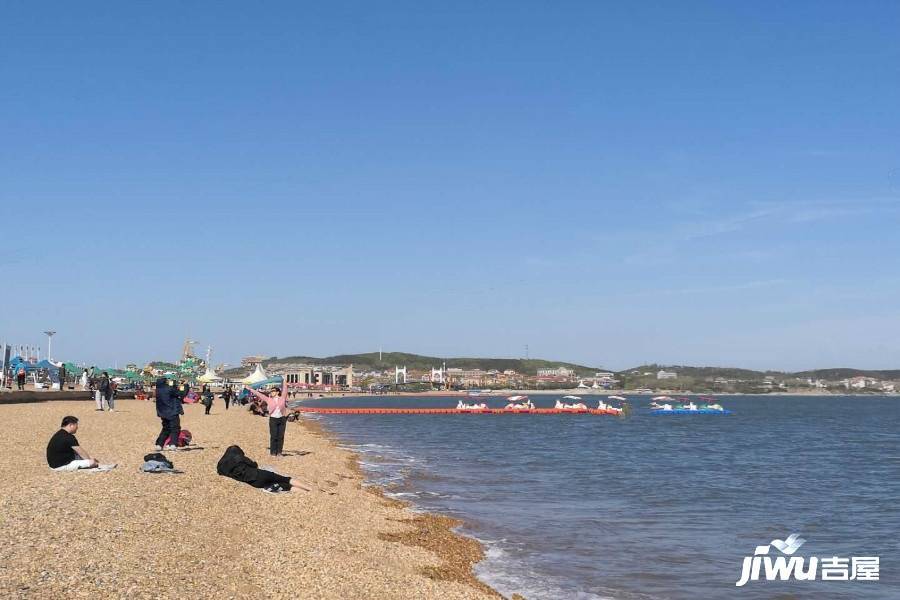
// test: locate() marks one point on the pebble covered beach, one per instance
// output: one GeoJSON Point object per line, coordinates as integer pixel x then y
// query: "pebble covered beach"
{"type": "Point", "coordinates": [127, 534]}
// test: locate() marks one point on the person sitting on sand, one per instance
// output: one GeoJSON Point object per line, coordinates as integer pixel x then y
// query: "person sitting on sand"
{"type": "Point", "coordinates": [257, 408]}
{"type": "Point", "coordinates": [64, 453]}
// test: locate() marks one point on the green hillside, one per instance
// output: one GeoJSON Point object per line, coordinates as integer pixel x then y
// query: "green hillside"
{"type": "Point", "coordinates": [704, 372]}
{"type": "Point", "coordinates": [748, 374]}
{"type": "Point", "coordinates": [837, 374]}
{"type": "Point", "coordinates": [389, 360]}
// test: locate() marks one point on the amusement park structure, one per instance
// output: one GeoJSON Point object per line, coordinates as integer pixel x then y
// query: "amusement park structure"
{"type": "Point", "coordinates": [187, 350]}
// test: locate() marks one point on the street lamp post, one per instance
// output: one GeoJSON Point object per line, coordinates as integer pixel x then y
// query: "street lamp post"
{"type": "Point", "coordinates": [49, 338]}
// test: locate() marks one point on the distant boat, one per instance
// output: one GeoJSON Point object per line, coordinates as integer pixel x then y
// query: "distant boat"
{"type": "Point", "coordinates": [519, 404]}
{"type": "Point", "coordinates": [687, 407]}
{"type": "Point", "coordinates": [571, 397]}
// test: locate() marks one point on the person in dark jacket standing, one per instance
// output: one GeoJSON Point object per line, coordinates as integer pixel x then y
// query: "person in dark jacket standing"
{"type": "Point", "coordinates": [207, 398]}
{"type": "Point", "coordinates": [105, 390]}
{"type": "Point", "coordinates": [169, 410]}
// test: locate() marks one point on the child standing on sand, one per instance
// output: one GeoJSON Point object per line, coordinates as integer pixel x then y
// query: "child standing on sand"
{"type": "Point", "coordinates": [276, 402]}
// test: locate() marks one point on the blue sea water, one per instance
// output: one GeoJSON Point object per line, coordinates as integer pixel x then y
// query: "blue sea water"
{"type": "Point", "coordinates": [578, 506]}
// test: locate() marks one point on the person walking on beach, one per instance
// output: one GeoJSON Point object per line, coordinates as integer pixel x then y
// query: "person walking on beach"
{"type": "Point", "coordinates": [207, 396]}
{"type": "Point", "coordinates": [276, 402]}
{"type": "Point", "coordinates": [113, 393]}
{"type": "Point", "coordinates": [226, 395]}
{"type": "Point", "coordinates": [98, 395]}
{"type": "Point", "coordinates": [169, 410]}
{"type": "Point", "coordinates": [20, 378]}
{"type": "Point", "coordinates": [105, 390]}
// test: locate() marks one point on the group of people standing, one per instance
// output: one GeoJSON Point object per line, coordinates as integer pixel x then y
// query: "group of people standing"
{"type": "Point", "coordinates": [102, 386]}
{"type": "Point", "coordinates": [206, 397]}
{"type": "Point", "coordinates": [169, 409]}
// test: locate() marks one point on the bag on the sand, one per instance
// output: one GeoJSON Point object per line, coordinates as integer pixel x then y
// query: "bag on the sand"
{"type": "Point", "coordinates": [184, 439]}
{"type": "Point", "coordinates": [156, 466]}
{"type": "Point", "coordinates": [157, 457]}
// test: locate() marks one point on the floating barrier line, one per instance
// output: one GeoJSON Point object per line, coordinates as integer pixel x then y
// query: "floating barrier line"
{"type": "Point", "coordinates": [453, 411]}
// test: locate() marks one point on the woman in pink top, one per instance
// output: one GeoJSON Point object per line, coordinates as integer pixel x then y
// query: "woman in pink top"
{"type": "Point", "coordinates": [276, 402]}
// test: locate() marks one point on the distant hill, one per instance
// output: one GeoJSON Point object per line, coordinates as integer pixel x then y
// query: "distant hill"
{"type": "Point", "coordinates": [370, 362]}
{"type": "Point", "coordinates": [703, 372]}
{"type": "Point", "coordinates": [835, 374]}
{"type": "Point", "coordinates": [737, 373]}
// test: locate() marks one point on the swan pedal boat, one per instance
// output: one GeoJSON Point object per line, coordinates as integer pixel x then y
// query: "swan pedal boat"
{"type": "Point", "coordinates": [474, 408]}
{"type": "Point", "coordinates": [687, 409]}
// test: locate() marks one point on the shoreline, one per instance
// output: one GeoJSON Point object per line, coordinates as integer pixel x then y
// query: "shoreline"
{"type": "Point", "coordinates": [433, 531]}
{"type": "Point", "coordinates": [592, 392]}
{"type": "Point", "coordinates": [583, 392]}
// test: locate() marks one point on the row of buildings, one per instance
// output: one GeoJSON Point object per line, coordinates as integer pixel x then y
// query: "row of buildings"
{"type": "Point", "coordinates": [440, 377]}
{"type": "Point", "coordinates": [346, 377]}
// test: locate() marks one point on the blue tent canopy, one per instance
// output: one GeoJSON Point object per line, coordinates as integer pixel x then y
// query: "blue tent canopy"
{"type": "Point", "coordinates": [17, 361]}
{"type": "Point", "coordinates": [276, 380]}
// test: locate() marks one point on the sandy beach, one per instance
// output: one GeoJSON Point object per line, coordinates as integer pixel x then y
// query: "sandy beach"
{"type": "Point", "coordinates": [199, 535]}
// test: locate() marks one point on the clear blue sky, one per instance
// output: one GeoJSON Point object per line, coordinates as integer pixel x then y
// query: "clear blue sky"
{"type": "Point", "coordinates": [710, 183]}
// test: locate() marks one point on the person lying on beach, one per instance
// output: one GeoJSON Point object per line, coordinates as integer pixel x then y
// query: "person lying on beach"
{"type": "Point", "coordinates": [236, 465]}
{"type": "Point", "coordinates": [64, 453]}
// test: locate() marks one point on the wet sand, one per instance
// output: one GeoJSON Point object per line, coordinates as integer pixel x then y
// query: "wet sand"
{"type": "Point", "coordinates": [197, 534]}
